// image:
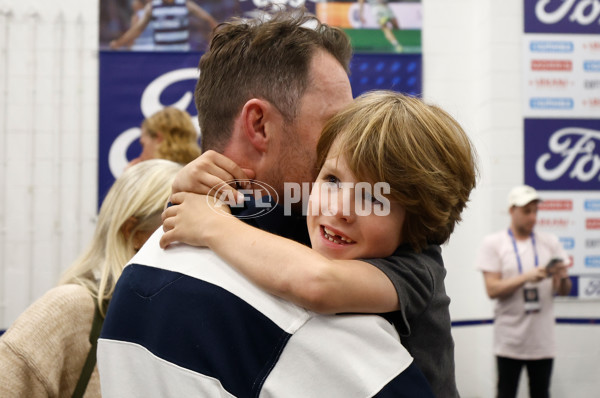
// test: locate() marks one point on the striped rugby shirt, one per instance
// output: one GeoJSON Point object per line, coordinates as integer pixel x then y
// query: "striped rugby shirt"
{"type": "Point", "coordinates": [183, 323]}
{"type": "Point", "coordinates": [170, 24]}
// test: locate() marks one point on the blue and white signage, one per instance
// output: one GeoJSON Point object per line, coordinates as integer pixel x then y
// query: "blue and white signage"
{"type": "Point", "coordinates": [561, 75]}
{"type": "Point", "coordinates": [134, 86]}
{"type": "Point", "coordinates": [561, 58]}
{"type": "Point", "coordinates": [562, 16]}
{"type": "Point", "coordinates": [589, 287]}
{"type": "Point", "coordinates": [562, 154]}
{"type": "Point", "coordinates": [561, 109]}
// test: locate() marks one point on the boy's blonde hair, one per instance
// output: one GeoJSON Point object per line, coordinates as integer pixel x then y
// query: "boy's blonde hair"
{"type": "Point", "coordinates": [180, 139]}
{"type": "Point", "coordinates": [419, 149]}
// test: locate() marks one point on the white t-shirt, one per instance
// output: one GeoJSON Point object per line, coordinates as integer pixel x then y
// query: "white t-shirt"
{"type": "Point", "coordinates": [518, 334]}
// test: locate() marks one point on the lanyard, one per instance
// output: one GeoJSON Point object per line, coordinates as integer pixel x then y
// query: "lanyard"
{"type": "Point", "coordinates": [514, 242]}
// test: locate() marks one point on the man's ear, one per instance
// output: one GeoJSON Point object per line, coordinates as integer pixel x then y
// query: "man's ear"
{"type": "Point", "coordinates": [259, 118]}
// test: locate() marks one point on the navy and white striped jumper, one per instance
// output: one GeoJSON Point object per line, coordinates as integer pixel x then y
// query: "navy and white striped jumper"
{"type": "Point", "coordinates": [183, 323]}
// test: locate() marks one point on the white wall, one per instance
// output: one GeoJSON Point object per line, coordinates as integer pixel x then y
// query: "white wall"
{"type": "Point", "coordinates": [48, 157]}
{"type": "Point", "coordinates": [48, 143]}
{"type": "Point", "coordinates": [472, 68]}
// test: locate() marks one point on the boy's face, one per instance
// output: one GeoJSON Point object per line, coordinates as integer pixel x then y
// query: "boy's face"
{"type": "Point", "coordinates": [350, 221]}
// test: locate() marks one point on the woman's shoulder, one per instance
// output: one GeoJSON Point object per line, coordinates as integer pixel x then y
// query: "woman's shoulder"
{"type": "Point", "coordinates": [69, 292]}
{"type": "Point", "coordinates": [66, 299]}
{"type": "Point", "coordinates": [53, 330]}
{"type": "Point", "coordinates": [59, 306]}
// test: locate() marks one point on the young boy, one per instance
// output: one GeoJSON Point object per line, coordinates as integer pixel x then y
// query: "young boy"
{"type": "Point", "coordinates": [385, 261]}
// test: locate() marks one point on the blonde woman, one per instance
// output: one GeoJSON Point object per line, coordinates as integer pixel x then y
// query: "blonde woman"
{"type": "Point", "coordinates": [43, 353]}
{"type": "Point", "coordinates": [168, 134]}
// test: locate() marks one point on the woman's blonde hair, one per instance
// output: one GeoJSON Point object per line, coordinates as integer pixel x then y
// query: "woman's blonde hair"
{"type": "Point", "coordinates": [140, 193]}
{"type": "Point", "coordinates": [180, 139]}
{"type": "Point", "coordinates": [419, 149]}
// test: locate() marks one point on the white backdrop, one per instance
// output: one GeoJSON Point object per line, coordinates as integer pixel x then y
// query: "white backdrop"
{"type": "Point", "coordinates": [48, 143]}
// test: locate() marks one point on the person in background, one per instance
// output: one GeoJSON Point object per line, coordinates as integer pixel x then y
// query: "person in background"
{"type": "Point", "coordinates": [385, 18]}
{"type": "Point", "coordinates": [383, 139]}
{"type": "Point", "coordinates": [44, 352]}
{"type": "Point", "coordinates": [523, 269]}
{"type": "Point", "coordinates": [182, 322]}
{"type": "Point", "coordinates": [168, 134]}
{"type": "Point", "coordinates": [170, 24]}
{"type": "Point", "coordinates": [145, 41]}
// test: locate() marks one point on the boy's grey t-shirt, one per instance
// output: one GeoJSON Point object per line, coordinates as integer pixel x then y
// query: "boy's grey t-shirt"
{"type": "Point", "coordinates": [423, 320]}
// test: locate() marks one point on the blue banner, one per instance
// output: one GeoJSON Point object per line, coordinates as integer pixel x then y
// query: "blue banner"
{"type": "Point", "coordinates": [562, 16]}
{"type": "Point", "coordinates": [562, 154]}
{"type": "Point", "coordinates": [398, 72]}
{"type": "Point", "coordinates": [134, 85]}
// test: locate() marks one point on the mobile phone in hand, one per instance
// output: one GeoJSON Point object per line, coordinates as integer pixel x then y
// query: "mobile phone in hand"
{"type": "Point", "coordinates": [550, 267]}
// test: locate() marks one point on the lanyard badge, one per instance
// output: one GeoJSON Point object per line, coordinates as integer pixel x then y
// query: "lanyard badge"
{"type": "Point", "coordinates": [532, 299]}
{"type": "Point", "coordinates": [530, 292]}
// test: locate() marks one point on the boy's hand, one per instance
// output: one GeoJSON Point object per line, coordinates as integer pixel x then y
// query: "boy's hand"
{"type": "Point", "coordinates": [191, 218]}
{"type": "Point", "coordinates": [212, 173]}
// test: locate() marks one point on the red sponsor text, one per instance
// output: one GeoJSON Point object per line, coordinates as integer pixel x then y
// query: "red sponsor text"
{"type": "Point", "coordinates": [556, 205]}
{"type": "Point", "coordinates": [592, 223]}
{"type": "Point", "coordinates": [551, 64]}
{"type": "Point", "coordinates": [553, 222]}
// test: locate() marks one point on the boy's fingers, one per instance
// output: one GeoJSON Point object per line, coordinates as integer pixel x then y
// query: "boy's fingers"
{"type": "Point", "coordinates": [177, 199]}
{"type": "Point", "coordinates": [216, 171]}
{"type": "Point", "coordinates": [168, 222]}
{"type": "Point", "coordinates": [165, 240]}
{"type": "Point", "coordinates": [208, 171]}
{"type": "Point", "coordinates": [231, 167]}
{"type": "Point", "coordinates": [169, 212]}
{"type": "Point", "coordinates": [250, 173]}
{"type": "Point", "coordinates": [227, 195]}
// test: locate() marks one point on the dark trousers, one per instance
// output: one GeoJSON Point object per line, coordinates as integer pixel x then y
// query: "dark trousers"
{"type": "Point", "coordinates": [539, 372]}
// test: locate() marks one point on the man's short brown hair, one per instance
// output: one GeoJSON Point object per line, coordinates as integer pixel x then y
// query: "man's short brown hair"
{"type": "Point", "coordinates": [260, 59]}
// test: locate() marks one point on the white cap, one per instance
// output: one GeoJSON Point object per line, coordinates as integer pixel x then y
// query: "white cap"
{"type": "Point", "coordinates": [522, 195]}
